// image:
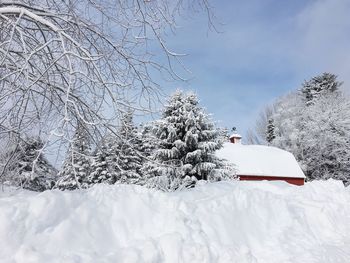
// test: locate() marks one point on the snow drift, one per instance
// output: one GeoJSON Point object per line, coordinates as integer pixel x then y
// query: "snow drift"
{"type": "Point", "coordinates": [219, 222]}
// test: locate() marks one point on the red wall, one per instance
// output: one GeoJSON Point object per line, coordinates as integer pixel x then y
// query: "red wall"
{"type": "Point", "coordinates": [295, 181]}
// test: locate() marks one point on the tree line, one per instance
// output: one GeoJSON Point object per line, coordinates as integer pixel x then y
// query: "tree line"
{"type": "Point", "coordinates": [173, 152]}
{"type": "Point", "coordinates": [79, 64]}
{"type": "Point", "coordinates": [313, 123]}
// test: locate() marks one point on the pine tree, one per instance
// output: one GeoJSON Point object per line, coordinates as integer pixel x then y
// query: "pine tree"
{"type": "Point", "coordinates": [76, 166]}
{"type": "Point", "coordinates": [149, 141]}
{"type": "Point", "coordinates": [270, 131]}
{"type": "Point", "coordinates": [101, 167]}
{"type": "Point", "coordinates": [28, 168]}
{"type": "Point", "coordinates": [320, 85]}
{"type": "Point", "coordinates": [127, 149]}
{"type": "Point", "coordinates": [119, 157]}
{"type": "Point", "coordinates": [187, 141]}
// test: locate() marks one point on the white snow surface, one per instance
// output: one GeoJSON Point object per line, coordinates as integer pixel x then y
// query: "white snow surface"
{"type": "Point", "coordinates": [261, 160]}
{"type": "Point", "coordinates": [235, 135]}
{"type": "Point", "coordinates": [219, 222]}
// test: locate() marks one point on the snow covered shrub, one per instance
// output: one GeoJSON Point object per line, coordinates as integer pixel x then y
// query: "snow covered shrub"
{"type": "Point", "coordinates": [25, 165]}
{"type": "Point", "coordinates": [186, 142]}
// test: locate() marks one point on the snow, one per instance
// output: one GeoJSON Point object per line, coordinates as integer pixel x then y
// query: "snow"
{"type": "Point", "coordinates": [246, 222]}
{"type": "Point", "coordinates": [235, 135]}
{"type": "Point", "coordinates": [261, 160]}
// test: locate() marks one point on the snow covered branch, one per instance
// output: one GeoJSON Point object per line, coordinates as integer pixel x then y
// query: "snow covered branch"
{"type": "Point", "coordinates": [69, 62]}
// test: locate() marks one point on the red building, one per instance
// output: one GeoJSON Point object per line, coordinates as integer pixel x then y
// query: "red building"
{"type": "Point", "coordinates": [235, 138]}
{"type": "Point", "coordinates": [261, 162]}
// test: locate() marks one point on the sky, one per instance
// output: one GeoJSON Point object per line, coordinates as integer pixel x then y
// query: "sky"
{"type": "Point", "coordinates": [264, 49]}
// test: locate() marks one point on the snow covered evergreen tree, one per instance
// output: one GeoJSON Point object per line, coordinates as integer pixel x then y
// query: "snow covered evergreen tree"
{"type": "Point", "coordinates": [76, 167]}
{"type": "Point", "coordinates": [320, 85]}
{"type": "Point", "coordinates": [270, 131]}
{"type": "Point", "coordinates": [187, 141]}
{"type": "Point", "coordinates": [127, 149]}
{"type": "Point", "coordinates": [149, 142]}
{"type": "Point", "coordinates": [27, 167]}
{"type": "Point", "coordinates": [102, 163]}
{"type": "Point", "coordinates": [119, 157]}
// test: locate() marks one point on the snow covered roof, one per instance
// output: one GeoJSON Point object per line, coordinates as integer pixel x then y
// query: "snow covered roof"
{"type": "Point", "coordinates": [260, 160]}
{"type": "Point", "coordinates": [235, 135]}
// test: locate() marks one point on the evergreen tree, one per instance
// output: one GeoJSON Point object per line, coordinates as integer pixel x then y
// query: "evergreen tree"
{"type": "Point", "coordinates": [27, 167]}
{"type": "Point", "coordinates": [76, 166]}
{"type": "Point", "coordinates": [270, 131]}
{"type": "Point", "coordinates": [149, 142]}
{"type": "Point", "coordinates": [101, 167]}
{"type": "Point", "coordinates": [119, 157]}
{"type": "Point", "coordinates": [187, 141]}
{"type": "Point", "coordinates": [320, 85]}
{"type": "Point", "coordinates": [127, 149]}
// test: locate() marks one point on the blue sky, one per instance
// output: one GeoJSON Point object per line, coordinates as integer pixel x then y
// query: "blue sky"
{"type": "Point", "coordinates": [266, 48]}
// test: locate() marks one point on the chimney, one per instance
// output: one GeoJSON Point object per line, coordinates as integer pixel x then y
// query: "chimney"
{"type": "Point", "coordinates": [235, 138]}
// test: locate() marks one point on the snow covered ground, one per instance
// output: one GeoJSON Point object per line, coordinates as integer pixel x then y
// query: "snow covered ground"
{"type": "Point", "coordinates": [219, 222]}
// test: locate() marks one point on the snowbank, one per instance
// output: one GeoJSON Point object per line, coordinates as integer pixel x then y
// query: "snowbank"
{"type": "Point", "coordinates": [261, 160]}
{"type": "Point", "coordinates": [219, 222]}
